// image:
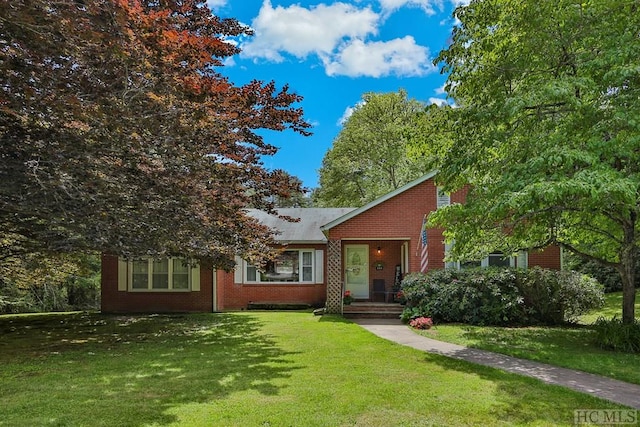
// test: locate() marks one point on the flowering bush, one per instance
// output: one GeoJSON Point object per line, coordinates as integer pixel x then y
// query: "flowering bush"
{"type": "Point", "coordinates": [347, 298]}
{"type": "Point", "coordinates": [421, 323]}
{"type": "Point", "coordinates": [499, 296]}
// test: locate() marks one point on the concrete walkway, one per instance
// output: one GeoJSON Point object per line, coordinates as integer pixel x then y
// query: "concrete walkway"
{"type": "Point", "coordinates": [596, 385]}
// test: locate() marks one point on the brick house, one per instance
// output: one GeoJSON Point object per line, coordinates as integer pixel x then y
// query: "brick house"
{"type": "Point", "coordinates": [329, 250]}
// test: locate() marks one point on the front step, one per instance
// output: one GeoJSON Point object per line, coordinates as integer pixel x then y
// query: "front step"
{"type": "Point", "coordinates": [372, 310]}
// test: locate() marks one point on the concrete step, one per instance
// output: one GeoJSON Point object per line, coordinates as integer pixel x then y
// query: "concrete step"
{"type": "Point", "coordinates": [372, 310]}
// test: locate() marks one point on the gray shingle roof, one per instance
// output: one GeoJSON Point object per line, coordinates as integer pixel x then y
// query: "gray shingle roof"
{"type": "Point", "coordinates": [307, 230]}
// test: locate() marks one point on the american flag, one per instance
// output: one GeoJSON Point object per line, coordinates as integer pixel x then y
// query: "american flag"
{"type": "Point", "coordinates": [423, 247]}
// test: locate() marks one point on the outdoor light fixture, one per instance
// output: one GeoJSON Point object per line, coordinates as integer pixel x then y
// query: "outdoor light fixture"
{"type": "Point", "coordinates": [378, 250]}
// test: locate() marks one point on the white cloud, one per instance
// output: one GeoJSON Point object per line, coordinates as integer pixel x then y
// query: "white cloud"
{"type": "Point", "coordinates": [348, 112]}
{"type": "Point", "coordinates": [339, 35]}
{"type": "Point", "coordinates": [438, 101]}
{"type": "Point", "coordinates": [300, 31]}
{"type": "Point", "coordinates": [401, 57]}
{"type": "Point", "coordinates": [429, 6]}
{"type": "Point", "coordinates": [216, 4]}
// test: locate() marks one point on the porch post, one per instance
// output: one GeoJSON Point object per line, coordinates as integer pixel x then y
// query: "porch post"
{"type": "Point", "coordinates": [334, 277]}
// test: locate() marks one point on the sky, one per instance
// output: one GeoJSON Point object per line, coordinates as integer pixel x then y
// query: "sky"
{"type": "Point", "coordinates": [331, 53]}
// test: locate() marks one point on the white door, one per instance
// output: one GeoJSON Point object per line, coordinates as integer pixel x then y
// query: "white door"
{"type": "Point", "coordinates": [357, 270]}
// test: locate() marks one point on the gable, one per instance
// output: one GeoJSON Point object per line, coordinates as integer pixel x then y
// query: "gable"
{"type": "Point", "coordinates": [381, 200]}
{"type": "Point", "coordinates": [397, 215]}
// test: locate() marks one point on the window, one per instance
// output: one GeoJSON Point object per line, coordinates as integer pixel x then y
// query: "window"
{"type": "Point", "coordinates": [166, 274]}
{"type": "Point", "coordinates": [292, 266]}
{"type": "Point", "coordinates": [443, 199]}
{"type": "Point", "coordinates": [495, 259]}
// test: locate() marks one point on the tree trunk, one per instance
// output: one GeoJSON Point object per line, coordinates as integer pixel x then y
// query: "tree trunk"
{"type": "Point", "coordinates": [627, 272]}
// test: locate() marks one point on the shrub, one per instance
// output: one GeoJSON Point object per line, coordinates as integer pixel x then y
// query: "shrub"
{"type": "Point", "coordinates": [500, 296]}
{"type": "Point", "coordinates": [421, 323]}
{"type": "Point", "coordinates": [479, 297]}
{"type": "Point", "coordinates": [614, 335]}
{"type": "Point", "coordinates": [609, 277]}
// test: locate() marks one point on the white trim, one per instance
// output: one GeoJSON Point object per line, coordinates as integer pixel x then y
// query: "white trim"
{"type": "Point", "coordinates": [325, 228]}
{"type": "Point", "coordinates": [406, 257]}
{"type": "Point", "coordinates": [242, 276]}
{"type": "Point", "coordinates": [214, 290]}
{"type": "Point", "coordinates": [442, 199]}
{"type": "Point", "coordinates": [361, 289]}
{"type": "Point", "coordinates": [122, 275]}
{"type": "Point", "coordinates": [238, 272]}
{"type": "Point", "coordinates": [521, 260]}
{"type": "Point", "coordinates": [193, 276]}
{"type": "Point", "coordinates": [391, 239]}
{"type": "Point", "coordinates": [319, 260]}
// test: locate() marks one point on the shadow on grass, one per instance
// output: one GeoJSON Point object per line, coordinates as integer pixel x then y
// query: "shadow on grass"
{"type": "Point", "coordinates": [539, 343]}
{"type": "Point", "coordinates": [129, 370]}
{"type": "Point", "coordinates": [334, 318]}
{"type": "Point", "coordinates": [519, 399]}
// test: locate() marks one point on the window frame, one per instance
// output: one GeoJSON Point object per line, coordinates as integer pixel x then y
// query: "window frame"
{"type": "Point", "coordinates": [442, 198]}
{"type": "Point", "coordinates": [192, 271]}
{"type": "Point", "coordinates": [521, 260]}
{"type": "Point", "coordinates": [251, 271]}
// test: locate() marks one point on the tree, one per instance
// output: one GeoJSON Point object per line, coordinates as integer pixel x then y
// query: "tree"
{"type": "Point", "coordinates": [294, 199]}
{"type": "Point", "coordinates": [545, 130]}
{"type": "Point", "coordinates": [369, 156]}
{"type": "Point", "coordinates": [119, 134]}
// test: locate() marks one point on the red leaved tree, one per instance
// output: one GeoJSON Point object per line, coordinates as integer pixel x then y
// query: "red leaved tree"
{"type": "Point", "coordinates": [119, 134]}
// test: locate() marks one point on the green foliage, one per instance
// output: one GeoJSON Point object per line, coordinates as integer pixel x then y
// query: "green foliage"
{"type": "Point", "coordinates": [119, 134]}
{"type": "Point", "coordinates": [608, 276]}
{"type": "Point", "coordinates": [14, 299]}
{"type": "Point", "coordinates": [44, 282]}
{"type": "Point", "coordinates": [613, 334]}
{"type": "Point", "coordinates": [545, 130]}
{"type": "Point", "coordinates": [369, 157]}
{"type": "Point", "coordinates": [500, 296]}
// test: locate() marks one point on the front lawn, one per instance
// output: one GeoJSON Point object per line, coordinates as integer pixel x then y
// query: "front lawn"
{"type": "Point", "coordinates": [570, 347]}
{"type": "Point", "coordinates": [250, 369]}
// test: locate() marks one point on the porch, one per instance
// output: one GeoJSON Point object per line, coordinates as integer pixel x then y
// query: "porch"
{"type": "Point", "coordinates": [370, 272]}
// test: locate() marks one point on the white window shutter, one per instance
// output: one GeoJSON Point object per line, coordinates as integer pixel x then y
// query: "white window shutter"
{"type": "Point", "coordinates": [238, 273]}
{"type": "Point", "coordinates": [122, 275]}
{"type": "Point", "coordinates": [195, 278]}
{"type": "Point", "coordinates": [319, 267]}
{"type": "Point", "coordinates": [444, 199]}
{"type": "Point", "coordinates": [447, 248]}
{"type": "Point", "coordinates": [523, 260]}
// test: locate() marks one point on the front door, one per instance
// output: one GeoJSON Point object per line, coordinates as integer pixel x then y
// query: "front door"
{"type": "Point", "coordinates": [357, 270]}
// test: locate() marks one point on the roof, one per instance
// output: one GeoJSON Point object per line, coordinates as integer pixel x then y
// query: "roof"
{"type": "Point", "coordinates": [355, 212]}
{"type": "Point", "coordinates": [307, 230]}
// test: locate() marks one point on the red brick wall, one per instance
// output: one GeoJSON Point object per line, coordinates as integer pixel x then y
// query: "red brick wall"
{"type": "Point", "coordinates": [114, 301]}
{"type": "Point", "coordinates": [546, 258]}
{"type": "Point", "coordinates": [237, 296]}
{"type": "Point", "coordinates": [401, 218]}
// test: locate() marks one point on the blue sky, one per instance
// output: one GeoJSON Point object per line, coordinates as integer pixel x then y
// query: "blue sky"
{"type": "Point", "coordinates": [332, 52]}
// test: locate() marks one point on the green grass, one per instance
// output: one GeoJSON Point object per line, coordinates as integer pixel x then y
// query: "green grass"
{"type": "Point", "coordinates": [251, 369]}
{"type": "Point", "coordinates": [612, 307]}
{"type": "Point", "coordinates": [570, 347]}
